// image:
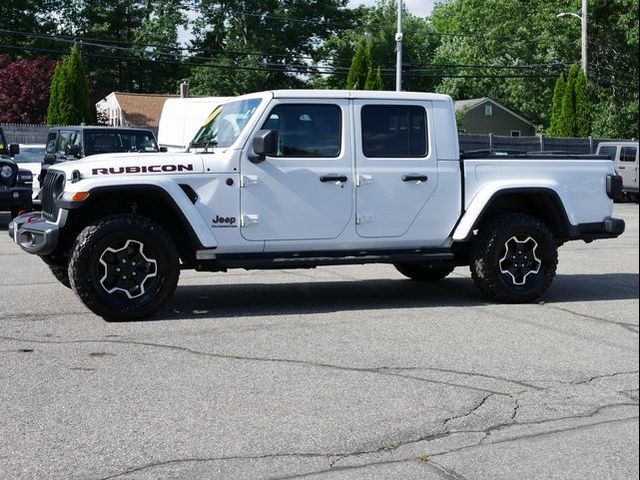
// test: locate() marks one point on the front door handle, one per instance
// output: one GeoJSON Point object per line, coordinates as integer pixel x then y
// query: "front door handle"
{"type": "Point", "coordinates": [621, 168]}
{"type": "Point", "coordinates": [414, 178]}
{"type": "Point", "coordinates": [333, 178]}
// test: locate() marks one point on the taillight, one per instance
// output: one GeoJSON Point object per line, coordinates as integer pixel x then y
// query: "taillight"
{"type": "Point", "coordinates": [614, 186]}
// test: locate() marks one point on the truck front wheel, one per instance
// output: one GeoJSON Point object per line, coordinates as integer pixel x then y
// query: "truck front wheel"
{"type": "Point", "coordinates": [124, 267]}
{"type": "Point", "coordinates": [514, 259]}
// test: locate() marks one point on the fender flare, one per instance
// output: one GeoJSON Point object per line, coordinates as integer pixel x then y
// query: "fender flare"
{"type": "Point", "coordinates": [178, 200]}
{"type": "Point", "coordinates": [487, 196]}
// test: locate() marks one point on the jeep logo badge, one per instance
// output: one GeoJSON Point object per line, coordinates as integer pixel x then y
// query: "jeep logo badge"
{"type": "Point", "coordinates": [224, 222]}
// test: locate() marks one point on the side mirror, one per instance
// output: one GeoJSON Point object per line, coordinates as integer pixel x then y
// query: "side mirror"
{"type": "Point", "coordinates": [49, 158]}
{"type": "Point", "coordinates": [163, 149]}
{"type": "Point", "coordinates": [265, 144]}
{"type": "Point", "coordinates": [14, 149]}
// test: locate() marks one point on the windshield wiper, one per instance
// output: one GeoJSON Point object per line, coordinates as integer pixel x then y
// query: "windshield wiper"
{"type": "Point", "coordinates": [205, 145]}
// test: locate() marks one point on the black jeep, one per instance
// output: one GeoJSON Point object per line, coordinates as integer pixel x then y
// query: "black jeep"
{"type": "Point", "coordinates": [15, 184]}
{"type": "Point", "coordinates": [72, 143]}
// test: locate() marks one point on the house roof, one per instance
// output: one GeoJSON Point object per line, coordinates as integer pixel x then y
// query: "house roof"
{"type": "Point", "coordinates": [141, 108]}
{"type": "Point", "coordinates": [476, 102]}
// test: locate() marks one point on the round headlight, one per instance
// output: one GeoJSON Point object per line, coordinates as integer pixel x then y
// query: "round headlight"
{"type": "Point", "coordinates": [6, 171]}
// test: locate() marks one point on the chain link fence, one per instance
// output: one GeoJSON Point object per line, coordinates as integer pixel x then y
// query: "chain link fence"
{"type": "Point", "coordinates": [37, 134]}
{"type": "Point", "coordinates": [539, 143]}
{"type": "Point", "coordinates": [25, 134]}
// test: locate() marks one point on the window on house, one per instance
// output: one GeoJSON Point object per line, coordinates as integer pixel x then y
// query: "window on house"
{"type": "Point", "coordinates": [488, 110]}
{"type": "Point", "coordinates": [515, 133]}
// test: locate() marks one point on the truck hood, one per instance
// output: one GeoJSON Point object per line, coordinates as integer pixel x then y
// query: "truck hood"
{"type": "Point", "coordinates": [119, 164]}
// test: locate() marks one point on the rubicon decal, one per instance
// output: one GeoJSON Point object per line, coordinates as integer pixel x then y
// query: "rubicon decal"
{"type": "Point", "coordinates": [143, 169]}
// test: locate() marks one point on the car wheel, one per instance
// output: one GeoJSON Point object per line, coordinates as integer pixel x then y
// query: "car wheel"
{"type": "Point", "coordinates": [124, 267]}
{"type": "Point", "coordinates": [514, 259]}
{"type": "Point", "coordinates": [424, 272]}
{"type": "Point", "coordinates": [59, 266]}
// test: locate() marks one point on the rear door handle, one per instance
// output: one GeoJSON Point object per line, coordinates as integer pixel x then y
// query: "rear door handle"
{"type": "Point", "coordinates": [414, 178]}
{"type": "Point", "coordinates": [622, 168]}
{"type": "Point", "coordinates": [333, 178]}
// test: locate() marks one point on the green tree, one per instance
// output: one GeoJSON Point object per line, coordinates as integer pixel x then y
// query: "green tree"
{"type": "Point", "coordinates": [53, 112]}
{"type": "Point", "coordinates": [78, 88]}
{"type": "Point", "coordinates": [374, 79]}
{"type": "Point", "coordinates": [567, 117]}
{"type": "Point", "coordinates": [582, 106]}
{"type": "Point", "coordinates": [69, 101]}
{"type": "Point", "coordinates": [360, 67]}
{"type": "Point", "coordinates": [558, 94]}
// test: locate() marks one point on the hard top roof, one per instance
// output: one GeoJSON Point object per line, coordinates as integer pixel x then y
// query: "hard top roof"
{"type": "Point", "coordinates": [100, 127]}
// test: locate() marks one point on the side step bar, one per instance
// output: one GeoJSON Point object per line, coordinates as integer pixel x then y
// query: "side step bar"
{"type": "Point", "coordinates": [313, 259]}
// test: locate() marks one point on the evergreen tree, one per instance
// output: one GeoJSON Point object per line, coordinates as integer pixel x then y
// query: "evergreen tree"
{"type": "Point", "coordinates": [583, 108]}
{"type": "Point", "coordinates": [374, 79]}
{"type": "Point", "coordinates": [69, 101]}
{"type": "Point", "coordinates": [360, 67]}
{"type": "Point", "coordinates": [53, 112]}
{"type": "Point", "coordinates": [80, 110]}
{"type": "Point", "coordinates": [558, 95]}
{"type": "Point", "coordinates": [567, 118]}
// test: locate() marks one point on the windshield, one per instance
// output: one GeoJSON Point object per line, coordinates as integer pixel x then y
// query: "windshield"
{"type": "Point", "coordinates": [30, 154]}
{"type": "Point", "coordinates": [119, 141]}
{"type": "Point", "coordinates": [225, 124]}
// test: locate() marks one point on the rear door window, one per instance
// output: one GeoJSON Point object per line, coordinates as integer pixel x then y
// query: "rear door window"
{"type": "Point", "coordinates": [608, 151]}
{"type": "Point", "coordinates": [628, 154]}
{"type": "Point", "coordinates": [394, 131]}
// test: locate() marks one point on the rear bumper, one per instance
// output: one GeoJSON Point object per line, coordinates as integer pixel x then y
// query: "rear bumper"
{"type": "Point", "coordinates": [609, 228]}
{"type": "Point", "coordinates": [34, 234]}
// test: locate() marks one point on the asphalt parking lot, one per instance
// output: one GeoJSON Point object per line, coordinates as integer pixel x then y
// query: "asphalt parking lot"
{"type": "Point", "coordinates": [333, 373]}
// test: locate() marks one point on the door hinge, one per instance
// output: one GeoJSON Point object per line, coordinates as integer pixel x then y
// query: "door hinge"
{"type": "Point", "coordinates": [247, 180]}
{"type": "Point", "coordinates": [248, 220]}
{"type": "Point", "coordinates": [363, 218]}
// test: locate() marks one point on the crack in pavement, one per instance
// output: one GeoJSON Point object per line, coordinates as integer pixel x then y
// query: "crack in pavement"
{"type": "Point", "coordinates": [447, 473]}
{"type": "Point", "coordinates": [472, 374]}
{"type": "Point", "coordinates": [372, 370]}
{"type": "Point", "coordinates": [332, 467]}
{"type": "Point", "coordinates": [626, 325]}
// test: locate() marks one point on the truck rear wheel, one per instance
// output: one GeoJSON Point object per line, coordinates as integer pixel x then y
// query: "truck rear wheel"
{"type": "Point", "coordinates": [424, 272]}
{"type": "Point", "coordinates": [124, 267]}
{"type": "Point", "coordinates": [514, 259]}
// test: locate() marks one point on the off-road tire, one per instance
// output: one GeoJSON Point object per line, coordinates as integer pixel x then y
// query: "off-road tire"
{"type": "Point", "coordinates": [85, 270]}
{"type": "Point", "coordinates": [489, 247]}
{"type": "Point", "coordinates": [59, 266]}
{"type": "Point", "coordinates": [61, 273]}
{"type": "Point", "coordinates": [424, 272]}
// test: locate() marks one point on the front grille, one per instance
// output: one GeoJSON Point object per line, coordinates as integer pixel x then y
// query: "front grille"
{"type": "Point", "coordinates": [52, 187]}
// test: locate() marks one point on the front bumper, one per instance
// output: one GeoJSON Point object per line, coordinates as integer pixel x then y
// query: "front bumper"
{"type": "Point", "coordinates": [609, 228]}
{"type": "Point", "coordinates": [34, 234]}
{"type": "Point", "coordinates": [15, 197]}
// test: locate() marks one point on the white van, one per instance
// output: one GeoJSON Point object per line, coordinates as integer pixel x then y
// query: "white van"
{"type": "Point", "coordinates": [182, 118]}
{"type": "Point", "coordinates": [625, 159]}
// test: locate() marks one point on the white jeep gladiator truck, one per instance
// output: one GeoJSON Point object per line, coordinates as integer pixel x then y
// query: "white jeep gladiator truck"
{"type": "Point", "coordinates": [299, 179]}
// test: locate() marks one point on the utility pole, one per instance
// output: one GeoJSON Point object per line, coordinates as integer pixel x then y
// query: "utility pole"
{"type": "Point", "coordinates": [583, 20]}
{"type": "Point", "coordinates": [583, 38]}
{"type": "Point", "coordinates": [399, 49]}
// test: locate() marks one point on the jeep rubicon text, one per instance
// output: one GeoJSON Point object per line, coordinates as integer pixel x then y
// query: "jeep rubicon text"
{"type": "Point", "coordinates": [299, 179]}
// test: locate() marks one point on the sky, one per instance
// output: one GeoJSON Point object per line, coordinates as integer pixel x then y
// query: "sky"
{"type": "Point", "coordinates": [421, 8]}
